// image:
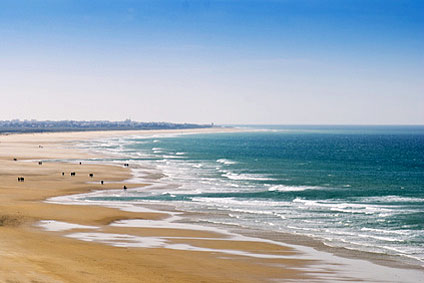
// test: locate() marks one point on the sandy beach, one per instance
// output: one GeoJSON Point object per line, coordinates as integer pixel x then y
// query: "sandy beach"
{"type": "Point", "coordinates": [29, 253]}
{"type": "Point", "coordinates": [211, 141]}
{"type": "Point", "coordinates": [44, 241]}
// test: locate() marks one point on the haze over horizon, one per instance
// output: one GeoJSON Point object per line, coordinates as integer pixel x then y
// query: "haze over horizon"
{"type": "Point", "coordinates": [227, 62]}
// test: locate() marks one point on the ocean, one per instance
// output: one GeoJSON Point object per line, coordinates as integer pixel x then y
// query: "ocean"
{"type": "Point", "coordinates": [359, 188]}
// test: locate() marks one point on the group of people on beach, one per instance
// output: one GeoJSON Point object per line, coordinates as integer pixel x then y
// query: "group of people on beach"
{"type": "Point", "coordinates": [91, 175]}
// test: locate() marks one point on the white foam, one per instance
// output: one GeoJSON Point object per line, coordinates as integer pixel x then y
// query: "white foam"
{"type": "Point", "coordinates": [233, 202]}
{"type": "Point", "coordinates": [283, 188]}
{"type": "Point", "coordinates": [247, 177]}
{"type": "Point", "coordinates": [173, 156]}
{"type": "Point", "coordinates": [226, 161]}
{"type": "Point", "coordinates": [392, 199]}
{"type": "Point", "coordinates": [355, 208]}
{"type": "Point", "coordinates": [400, 232]}
{"type": "Point", "coordinates": [196, 165]}
{"type": "Point", "coordinates": [388, 239]}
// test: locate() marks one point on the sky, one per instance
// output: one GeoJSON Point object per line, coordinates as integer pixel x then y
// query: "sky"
{"type": "Point", "coordinates": [221, 61]}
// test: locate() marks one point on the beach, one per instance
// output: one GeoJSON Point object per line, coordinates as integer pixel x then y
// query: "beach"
{"type": "Point", "coordinates": [29, 254]}
{"type": "Point", "coordinates": [51, 242]}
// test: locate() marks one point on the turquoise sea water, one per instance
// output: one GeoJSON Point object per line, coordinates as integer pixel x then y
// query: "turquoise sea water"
{"type": "Point", "coordinates": [360, 188]}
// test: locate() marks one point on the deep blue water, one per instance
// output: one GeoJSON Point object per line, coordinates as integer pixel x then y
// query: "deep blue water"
{"type": "Point", "coordinates": [349, 186]}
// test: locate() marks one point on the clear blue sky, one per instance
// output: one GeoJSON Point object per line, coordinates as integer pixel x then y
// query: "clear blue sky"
{"type": "Point", "coordinates": [235, 61]}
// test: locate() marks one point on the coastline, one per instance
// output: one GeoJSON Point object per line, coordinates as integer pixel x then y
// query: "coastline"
{"type": "Point", "coordinates": [36, 254]}
{"type": "Point", "coordinates": [30, 253]}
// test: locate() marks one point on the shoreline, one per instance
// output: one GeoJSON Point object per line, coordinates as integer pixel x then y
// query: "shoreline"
{"type": "Point", "coordinates": [249, 270]}
{"type": "Point", "coordinates": [386, 260]}
{"type": "Point", "coordinates": [29, 253]}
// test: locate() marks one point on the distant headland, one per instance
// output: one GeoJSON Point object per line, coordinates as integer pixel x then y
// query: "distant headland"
{"type": "Point", "coordinates": [32, 126]}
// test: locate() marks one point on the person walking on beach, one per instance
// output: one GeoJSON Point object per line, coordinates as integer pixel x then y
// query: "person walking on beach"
{"type": "Point", "coordinates": [125, 188]}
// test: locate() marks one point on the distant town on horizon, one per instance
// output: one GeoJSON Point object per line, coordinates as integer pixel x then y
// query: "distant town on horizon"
{"type": "Point", "coordinates": [24, 126]}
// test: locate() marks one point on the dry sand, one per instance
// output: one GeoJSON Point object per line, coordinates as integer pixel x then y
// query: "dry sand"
{"type": "Point", "coordinates": [31, 254]}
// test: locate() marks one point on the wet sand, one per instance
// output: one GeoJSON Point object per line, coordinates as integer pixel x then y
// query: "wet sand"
{"type": "Point", "coordinates": [110, 249]}
{"type": "Point", "coordinates": [29, 253]}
